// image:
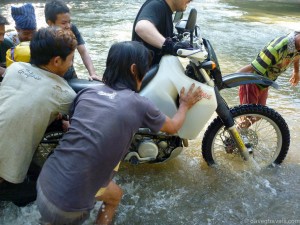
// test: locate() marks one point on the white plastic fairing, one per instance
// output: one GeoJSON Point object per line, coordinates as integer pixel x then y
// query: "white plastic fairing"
{"type": "Point", "coordinates": [164, 88]}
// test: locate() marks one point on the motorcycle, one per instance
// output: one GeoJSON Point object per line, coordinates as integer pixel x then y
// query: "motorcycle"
{"type": "Point", "coordinates": [244, 133]}
{"type": "Point", "coordinates": [237, 135]}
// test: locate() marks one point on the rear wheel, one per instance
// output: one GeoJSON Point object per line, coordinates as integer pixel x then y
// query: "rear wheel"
{"type": "Point", "coordinates": [263, 130]}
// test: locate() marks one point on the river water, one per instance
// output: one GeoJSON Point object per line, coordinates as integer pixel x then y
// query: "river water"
{"type": "Point", "coordinates": [186, 191]}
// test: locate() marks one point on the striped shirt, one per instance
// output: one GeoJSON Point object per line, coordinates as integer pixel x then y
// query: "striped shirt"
{"type": "Point", "coordinates": [276, 56]}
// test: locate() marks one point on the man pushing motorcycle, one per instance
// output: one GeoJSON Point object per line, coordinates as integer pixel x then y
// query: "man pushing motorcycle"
{"type": "Point", "coordinates": [31, 97]}
{"type": "Point", "coordinates": [103, 120]}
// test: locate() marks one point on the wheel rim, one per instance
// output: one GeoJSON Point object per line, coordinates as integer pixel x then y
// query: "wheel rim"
{"type": "Point", "coordinates": [262, 134]}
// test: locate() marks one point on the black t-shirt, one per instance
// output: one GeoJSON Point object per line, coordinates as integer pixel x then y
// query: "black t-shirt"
{"type": "Point", "coordinates": [159, 13]}
{"type": "Point", "coordinates": [77, 34]}
{"type": "Point", "coordinates": [71, 73]}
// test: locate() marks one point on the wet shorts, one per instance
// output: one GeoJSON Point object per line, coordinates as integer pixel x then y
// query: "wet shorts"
{"type": "Point", "coordinates": [252, 94]}
{"type": "Point", "coordinates": [53, 215]}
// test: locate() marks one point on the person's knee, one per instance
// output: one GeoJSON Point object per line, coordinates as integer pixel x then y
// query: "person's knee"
{"type": "Point", "coordinates": [112, 195]}
{"type": "Point", "coordinates": [117, 196]}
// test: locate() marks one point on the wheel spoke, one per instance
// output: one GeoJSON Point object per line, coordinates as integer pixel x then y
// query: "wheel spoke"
{"type": "Point", "coordinates": [261, 127]}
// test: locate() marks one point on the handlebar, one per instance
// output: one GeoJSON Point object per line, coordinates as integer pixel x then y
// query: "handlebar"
{"type": "Point", "coordinates": [192, 53]}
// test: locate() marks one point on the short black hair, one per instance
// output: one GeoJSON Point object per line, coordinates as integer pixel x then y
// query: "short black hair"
{"type": "Point", "coordinates": [50, 42]}
{"type": "Point", "coordinates": [119, 60]}
{"type": "Point", "coordinates": [53, 8]}
{"type": "Point", "coordinates": [3, 20]}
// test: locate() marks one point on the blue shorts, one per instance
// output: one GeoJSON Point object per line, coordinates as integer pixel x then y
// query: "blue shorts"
{"type": "Point", "coordinates": [53, 215]}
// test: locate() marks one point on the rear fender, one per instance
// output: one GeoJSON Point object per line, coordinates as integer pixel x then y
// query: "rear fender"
{"type": "Point", "coordinates": [237, 79]}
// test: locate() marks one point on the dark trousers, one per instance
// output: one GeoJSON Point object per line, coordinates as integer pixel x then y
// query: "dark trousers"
{"type": "Point", "coordinates": [23, 193]}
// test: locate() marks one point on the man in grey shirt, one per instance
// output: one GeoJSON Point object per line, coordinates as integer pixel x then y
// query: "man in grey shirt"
{"type": "Point", "coordinates": [31, 97]}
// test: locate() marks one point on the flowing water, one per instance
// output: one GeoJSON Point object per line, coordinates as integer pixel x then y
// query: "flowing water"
{"type": "Point", "coordinates": [186, 191]}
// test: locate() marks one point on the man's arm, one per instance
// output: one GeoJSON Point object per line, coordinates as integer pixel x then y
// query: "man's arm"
{"type": "Point", "coordinates": [148, 32]}
{"type": "Point", "coordinates": [246, 69]}
{"type": "Point", "coordinates": [186, 101]}
{"type": "Point", "coordinates": [294, 80]}
{"type": "Point", "coordinates": [87, 62]}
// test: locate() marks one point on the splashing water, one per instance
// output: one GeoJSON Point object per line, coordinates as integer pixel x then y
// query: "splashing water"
{"type": "Point", "coordinates": [185, 190]}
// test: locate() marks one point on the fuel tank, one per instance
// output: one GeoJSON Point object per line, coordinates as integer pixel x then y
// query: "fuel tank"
{"type": "Point", "coordinates": [164, 90]}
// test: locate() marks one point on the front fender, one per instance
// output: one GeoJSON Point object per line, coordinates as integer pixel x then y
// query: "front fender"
{"type": "Point", "coordinates": [237, 79]}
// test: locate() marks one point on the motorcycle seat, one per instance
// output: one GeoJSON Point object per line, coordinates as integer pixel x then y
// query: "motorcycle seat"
{"type": "Point", "coordinates": [149, 75]}
{"type": "Point", "coordinates": [79, 84]}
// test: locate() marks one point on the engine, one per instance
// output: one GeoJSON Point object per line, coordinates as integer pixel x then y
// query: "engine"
{"type": "Point", "coordinates": [153, 147]}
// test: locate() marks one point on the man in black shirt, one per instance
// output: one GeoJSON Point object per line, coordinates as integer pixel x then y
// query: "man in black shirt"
{"type": "Point", "coordinates": [154, 26]}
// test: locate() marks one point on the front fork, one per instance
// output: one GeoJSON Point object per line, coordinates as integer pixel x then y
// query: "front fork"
{"type": "Point", "coordinates": [226, 117]}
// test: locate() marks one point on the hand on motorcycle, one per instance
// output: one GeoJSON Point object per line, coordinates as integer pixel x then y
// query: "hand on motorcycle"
{"type": "Point", "coordinates": [171, 47]}
{"type": "Point", "coordinates": [64, 121]}
{"type": "Point", "coordinates": [191, 97]}
{"type": "Point", "coordinates": [186, 101]}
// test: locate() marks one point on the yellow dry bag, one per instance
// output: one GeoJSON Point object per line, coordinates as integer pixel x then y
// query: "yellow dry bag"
{"type": "Point", "coordinates": [19, 53]}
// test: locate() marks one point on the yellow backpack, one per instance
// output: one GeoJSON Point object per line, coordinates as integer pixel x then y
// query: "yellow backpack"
{"type": "Point", "coordinates": [19, 53]}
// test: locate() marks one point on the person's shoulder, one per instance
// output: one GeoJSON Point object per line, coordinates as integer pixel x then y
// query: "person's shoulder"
{"type": "Point", "coordinates": [141, 100]}
{"type": "Point", "coordinates": [74, 28]}
{"type": "Point", "coordinates": [11, 34]}
{"type": "Point", "coordinates": [20, 65]}
{"type": "Point", "coordinates": [77, 34]}
{"type": "Point", "coordinates": [282, 44]}
{"type": "Point", "coordinates": [154, 11]}
{"type": "Point", "coordinates": [18, 68]}
{"type": "Point", "coordinates": [12, 37]}
{"type": "Point", "coordinates": [25, 66]}
{"type": "Point", "coordinates": [156, 3]}
{"type": "Point", "coordinates": [28, 67]}
{"type": "Point", "coordinates": [89, 92]}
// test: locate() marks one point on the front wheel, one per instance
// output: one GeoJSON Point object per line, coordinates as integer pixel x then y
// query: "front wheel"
{"type": "Point", "coordinates": [263, 130]}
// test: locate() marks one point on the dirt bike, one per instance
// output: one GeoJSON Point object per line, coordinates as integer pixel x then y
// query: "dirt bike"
{"type": "Point", "coordinates": [237, 135]}
{"type": "Point", "coordinates": [245, 132]}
